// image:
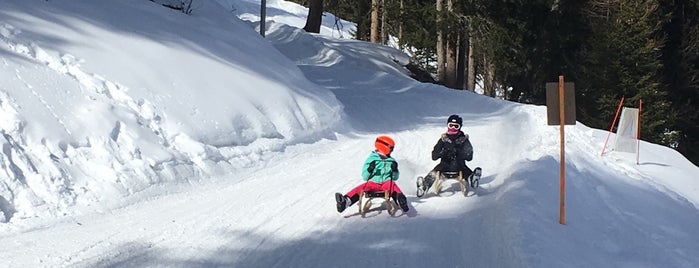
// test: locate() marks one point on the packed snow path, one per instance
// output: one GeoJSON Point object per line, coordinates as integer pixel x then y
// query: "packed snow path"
{"type": "Point", "coordinates": [271, 203]}
{"type": "Point", "coordinates": [285, 210]}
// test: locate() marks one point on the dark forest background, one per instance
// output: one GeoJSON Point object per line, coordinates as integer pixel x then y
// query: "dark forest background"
{"type": "Point", "coordinates": [636, 49]}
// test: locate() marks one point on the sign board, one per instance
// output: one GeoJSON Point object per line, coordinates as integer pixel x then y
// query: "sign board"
{"type": "Point", "coordinates": [552, 100]}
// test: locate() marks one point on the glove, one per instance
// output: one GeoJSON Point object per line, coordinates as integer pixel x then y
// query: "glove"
{"type": "Point", "coordinates": [371, 167]}
{"type": "Point", "coordinates": [394, 166]}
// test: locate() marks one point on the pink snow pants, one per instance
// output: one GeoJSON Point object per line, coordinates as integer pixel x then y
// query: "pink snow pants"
{"type": "Point", "coordinates": [371, 186]}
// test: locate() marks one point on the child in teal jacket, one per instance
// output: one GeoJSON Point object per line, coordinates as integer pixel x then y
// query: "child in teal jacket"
{"type": "Point", "coordinates": [380, 171]}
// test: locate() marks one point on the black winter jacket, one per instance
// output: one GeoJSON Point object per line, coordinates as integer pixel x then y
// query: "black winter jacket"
{"type": "Point", "coordinates": [453, 148]}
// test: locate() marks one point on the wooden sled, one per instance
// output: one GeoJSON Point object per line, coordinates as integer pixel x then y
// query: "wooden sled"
{"type": "Point", "coordinates": [365, 201]}
{"type": "Point", "coordinates": [450, 175]}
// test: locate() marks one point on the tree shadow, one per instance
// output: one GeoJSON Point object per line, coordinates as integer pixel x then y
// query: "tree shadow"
{"type": "Point", "coordinates": [403, 243]}
{"type": "Point", "coordinates": [7, 210]}
{"type": "Point", "coordinates": [513, 223]}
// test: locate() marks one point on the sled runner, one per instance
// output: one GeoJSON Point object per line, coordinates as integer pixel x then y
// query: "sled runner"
{"type": "Point", "coordinates": [449, 175]}
{"type": "Point", "coordinates": [444, 176]}
{"type": "Point", "coordinates": [365, 201]}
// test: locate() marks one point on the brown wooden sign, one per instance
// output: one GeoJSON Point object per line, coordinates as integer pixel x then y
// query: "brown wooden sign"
{"type": "Point", "coordinates": [552, 101]}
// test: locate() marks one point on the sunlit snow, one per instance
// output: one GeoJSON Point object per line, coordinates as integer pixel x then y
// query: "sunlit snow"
{"type": "Point", "coordinates": [134, 135]}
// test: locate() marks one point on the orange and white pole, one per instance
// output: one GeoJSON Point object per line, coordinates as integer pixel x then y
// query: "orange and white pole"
{"type": "Point", "coordinates": [561, 102]}
{"type": "Point", "coordinates": [611, 128]}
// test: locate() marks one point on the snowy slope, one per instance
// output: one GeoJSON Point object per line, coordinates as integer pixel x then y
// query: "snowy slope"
{"type": "Point", "coordinates": [100, 104]}
{"type": "Point", "coordinates": [136, 136]}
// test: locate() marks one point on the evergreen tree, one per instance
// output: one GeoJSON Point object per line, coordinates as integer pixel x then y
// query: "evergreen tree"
{"type": "Point", "coordinates": [640, 49]}
{"type": "Point", "coordinates": [681, 73]}
{"type": "Point", "coordinates": [534, 43]}
{"type": "Point", "coordinates": [623, 59]}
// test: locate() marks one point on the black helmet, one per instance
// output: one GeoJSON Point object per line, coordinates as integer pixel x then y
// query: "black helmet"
{"type": "Point", "coordinates": [454, 119]}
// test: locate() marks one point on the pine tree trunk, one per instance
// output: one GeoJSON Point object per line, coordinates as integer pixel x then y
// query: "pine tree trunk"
{"type": "Point", "coordinates": [362, 30]}
{"type": "Point", "coordinates": [440, 44]}
{"type": "Point", "coordinates": [471, 69]}
{"type": "Point", "coordinates": [452, 46]}
{"type": "Point", "coordinates": [450, 80]}
{"type": "Point", "coordinates": [384, 32]}
{"type": "Point", "coordinates": [461, 63]}
{"type": "Point", "coordinates": [489, 78]}
{"type": "Point", "coordinates": [400, 25]}
{"type": "Point", "coordinates": [374, 21]}
{"type": "Point", "coordinates": [315, 16]}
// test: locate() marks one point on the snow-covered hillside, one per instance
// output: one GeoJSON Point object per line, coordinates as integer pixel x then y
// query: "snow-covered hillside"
{"type": "Point", "coordinates": [136, 135]}
{"type": "Point", "coordinates": [101, 103]}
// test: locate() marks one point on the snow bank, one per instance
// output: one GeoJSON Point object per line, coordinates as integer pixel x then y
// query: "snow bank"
{"type": "Point", "coordinates": [96, 105]}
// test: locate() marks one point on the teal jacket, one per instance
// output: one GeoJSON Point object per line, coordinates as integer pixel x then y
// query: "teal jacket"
{"type": "Point", "coordinates": [382, 170]}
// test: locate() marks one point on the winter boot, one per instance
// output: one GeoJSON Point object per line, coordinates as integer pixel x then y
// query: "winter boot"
{"type": "Point", "coordinates": [403, 202]}
{"type": "Point", "coordinates": [342, 202]}
{"type": "Point", "coordinates": [428, 181]}
{"type": "Point", "coordinates": [423, 184]}
{"type": "Point", "coordinates": [475, 177]}
{"type": "Point", "coordinates": [420, 186]}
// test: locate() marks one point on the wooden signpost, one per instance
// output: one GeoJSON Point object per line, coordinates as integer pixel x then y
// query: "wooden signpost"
{"type": "Point", "coordinates": [560, 108]}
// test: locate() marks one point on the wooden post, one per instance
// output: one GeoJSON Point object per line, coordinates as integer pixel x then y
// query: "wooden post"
{"type": "Point", "coordinates": [559, 109]}
{"type": "Point", "coordinates": [263, 17]}
{"type": "Point", "coordinates": [561, 102]}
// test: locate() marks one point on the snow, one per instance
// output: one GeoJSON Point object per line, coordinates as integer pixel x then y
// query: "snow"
{"type": "Point", "coordinates": [134, 135]}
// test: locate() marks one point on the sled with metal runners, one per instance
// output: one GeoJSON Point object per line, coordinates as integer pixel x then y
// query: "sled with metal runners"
{"type": "Point", "coordinates": [366, 198]}
{"type": "Point", "coordinates": [441, 177]}
{"type": "Point", "coordinates": [473, 181]}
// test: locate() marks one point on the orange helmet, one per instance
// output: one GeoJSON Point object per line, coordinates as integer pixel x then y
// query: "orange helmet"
{"type": "Point", "coordinates": [384, 145]}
